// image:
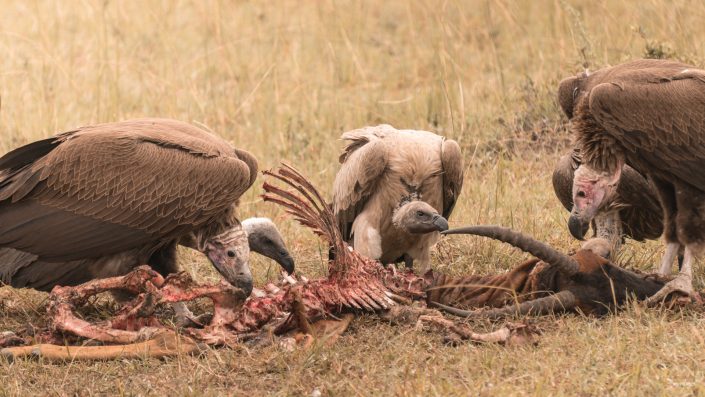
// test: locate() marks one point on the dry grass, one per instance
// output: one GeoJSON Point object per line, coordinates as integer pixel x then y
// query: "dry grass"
{"type": "Point", "coordinates": [283, 80]}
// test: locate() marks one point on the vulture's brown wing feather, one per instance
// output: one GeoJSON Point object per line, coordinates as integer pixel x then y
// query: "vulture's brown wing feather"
{"type": "Point", "coordinates": [661, 122]}
{"type": "Point", "coordinates": [27, 271]}
{"type": "Point", "coordinates": [640, 210]}
{"type": "Point", "coordinates": [364, 161]}
{"type": "Point", "coordinates": [113, 186]}
{"type": "Point", "coordinates": [58, 235]}
{"type": "Point", "coordinates": [562, 178]}
{"type": "Point", "coordinates": [453, 172]}
{"type": "Point", "coordinates": [27, 154]}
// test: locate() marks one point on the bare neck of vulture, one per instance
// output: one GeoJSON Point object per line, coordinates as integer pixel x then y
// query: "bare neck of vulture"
{"type": "Point", "coordinates": [596, 179]}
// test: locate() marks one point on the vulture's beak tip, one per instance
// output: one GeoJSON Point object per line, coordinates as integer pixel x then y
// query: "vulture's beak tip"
{"type": "Point", "coordinates": [440, 223]}
{"type": "Point", "coordinates": [577, 227]}
{"type": "Point", "coordinates": [287, 263]}
{"type": "Point", "coordinates": [246, 287]}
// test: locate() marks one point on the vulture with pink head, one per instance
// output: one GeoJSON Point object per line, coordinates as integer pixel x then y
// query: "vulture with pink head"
{"type": "Point", "coordinates": [633, 211]}
{"type": "Point", "coordinates": [650, 115]}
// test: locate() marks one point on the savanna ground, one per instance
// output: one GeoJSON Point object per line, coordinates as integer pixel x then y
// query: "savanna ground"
{"type": "Point", "coordinates": [283, 80]}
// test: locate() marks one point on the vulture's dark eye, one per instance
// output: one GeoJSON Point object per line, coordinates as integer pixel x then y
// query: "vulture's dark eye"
{"type": "Point", "coordinates": [231, 253]}
{"type": "Point", "coordinates": [419, 214]}
{"type": "Point", "coordinates": [581, 194]}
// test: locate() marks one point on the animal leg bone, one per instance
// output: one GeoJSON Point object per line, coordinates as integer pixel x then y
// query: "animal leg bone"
{"type": "Point", "coordinates": [164, 344]}
{"type": "Point", "coordinates": [150, 290]}
{"type": "Point", "coordinates": [509, 334]}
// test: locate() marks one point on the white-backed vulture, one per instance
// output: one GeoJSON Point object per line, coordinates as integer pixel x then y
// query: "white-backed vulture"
{"type": "Point", "coordinates": [264, 238]}
{"type": "Point", "coordinates": [649, 114]}
{"type": "Point", "coordinates": [99, 200]}
{"type": "Point", "coordinates": [633, 211]}
{"type": "Point", "coordinates": [394, 191]}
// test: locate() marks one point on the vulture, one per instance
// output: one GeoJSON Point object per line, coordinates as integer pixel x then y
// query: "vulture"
{"type": "Point", "coordinates": [650, 115]}
{"type": "Point", "coordinates": [395, 190]}
{"type": "Point", "coordinates": [264, 238]}
{"type": "Point", "coordinates": [99, 200]}
{"type": "Point", "coordinates": [634, 211]}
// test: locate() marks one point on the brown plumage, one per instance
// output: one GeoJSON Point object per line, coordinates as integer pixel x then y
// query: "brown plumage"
{"type": "Point", "coordinates": [96, 201]}
{"type": "Point", "coordinates": [634, 211]}
{"type": "Point", "coordinates": [649, 114]}
{"type": "Point", "coordinates": [394, 191]}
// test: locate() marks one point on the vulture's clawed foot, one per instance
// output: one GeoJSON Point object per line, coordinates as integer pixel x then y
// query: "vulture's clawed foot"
{"type": "Point", "coordinates": [677, 291]}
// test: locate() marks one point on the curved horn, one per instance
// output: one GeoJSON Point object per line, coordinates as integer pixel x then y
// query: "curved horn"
{"type": "Point", "coordinates": [566, 264]}
{"type": "Point", "coordinates": [564, 300]}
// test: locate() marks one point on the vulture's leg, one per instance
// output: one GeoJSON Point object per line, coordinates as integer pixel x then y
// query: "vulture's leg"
{"type": "Point", "coordinates": [667, 260]}
{"type": "Point", "coordinates": [367, 239]}
{"type": "Point", "coordinates": [424, 261]}
{"type": "Point", "coordinates": [667, 198]}
{"type": "Point", "coordinates": [682, 284]}
{"type": "Point", "coordinates": [681, 257]}
{"type": "Point", "coordinates": [408, 261]}
{"type": "Point", "coordinates": [609, 227]}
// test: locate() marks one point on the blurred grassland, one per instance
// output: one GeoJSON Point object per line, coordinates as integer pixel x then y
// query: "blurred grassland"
{"type": "Point", "coordinates": [283, 79]}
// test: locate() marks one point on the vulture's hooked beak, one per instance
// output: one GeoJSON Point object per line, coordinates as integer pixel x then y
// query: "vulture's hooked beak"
{"type": "Point", "coordinates": [283, 258]}
{"type": "Point", "coordinates": [273, 248]}
{"type": "Point", "coordinates": [577, 226]}
{"type": "Point", "coordinates": [440, 223]}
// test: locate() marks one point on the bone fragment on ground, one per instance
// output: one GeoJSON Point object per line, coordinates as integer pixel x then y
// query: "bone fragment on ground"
{"type": "Point", "coordinates": [163, 344]}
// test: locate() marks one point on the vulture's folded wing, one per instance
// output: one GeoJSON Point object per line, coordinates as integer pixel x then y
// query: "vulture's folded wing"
{"type": "Point", "coordinates": [661, 119]}
{"type": "Point", "coordinates": [114, 186]}
{"type": "Point", "coordinates": [640, 210]}
{"type": "Point", "coordinates": [363, 163]}
{"type": "Point", "coordinates": [562, 179]}
{"type": "Point", "coordinates": [453, 171]}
